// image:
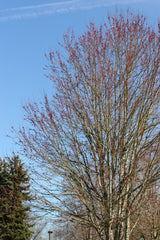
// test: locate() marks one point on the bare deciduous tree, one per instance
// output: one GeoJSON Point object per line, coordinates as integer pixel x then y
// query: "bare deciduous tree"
{"type": "Point", "coordinates": [95, 135]}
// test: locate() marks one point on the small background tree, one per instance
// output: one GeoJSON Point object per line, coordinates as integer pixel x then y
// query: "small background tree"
{"type": "Point", "coordinates": [148, 217]}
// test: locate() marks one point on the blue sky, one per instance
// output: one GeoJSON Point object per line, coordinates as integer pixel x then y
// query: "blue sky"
{"type": "Point", "coordinates": [28, 29]}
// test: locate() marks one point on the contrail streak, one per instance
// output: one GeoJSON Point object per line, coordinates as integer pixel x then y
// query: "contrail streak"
{"type": "Point", "coordinates": [56, 7]}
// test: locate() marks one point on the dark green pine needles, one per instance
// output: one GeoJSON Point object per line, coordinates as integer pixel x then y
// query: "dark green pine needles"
{"type": "Point", "coordinates": [14, 200]}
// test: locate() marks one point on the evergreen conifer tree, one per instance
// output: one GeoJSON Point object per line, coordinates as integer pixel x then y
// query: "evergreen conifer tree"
{"type": "Point", "coordinates": [14, 200]}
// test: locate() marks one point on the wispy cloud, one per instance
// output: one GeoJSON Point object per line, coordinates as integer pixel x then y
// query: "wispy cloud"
{"type": "Point", "coordinates": [56, 7]}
